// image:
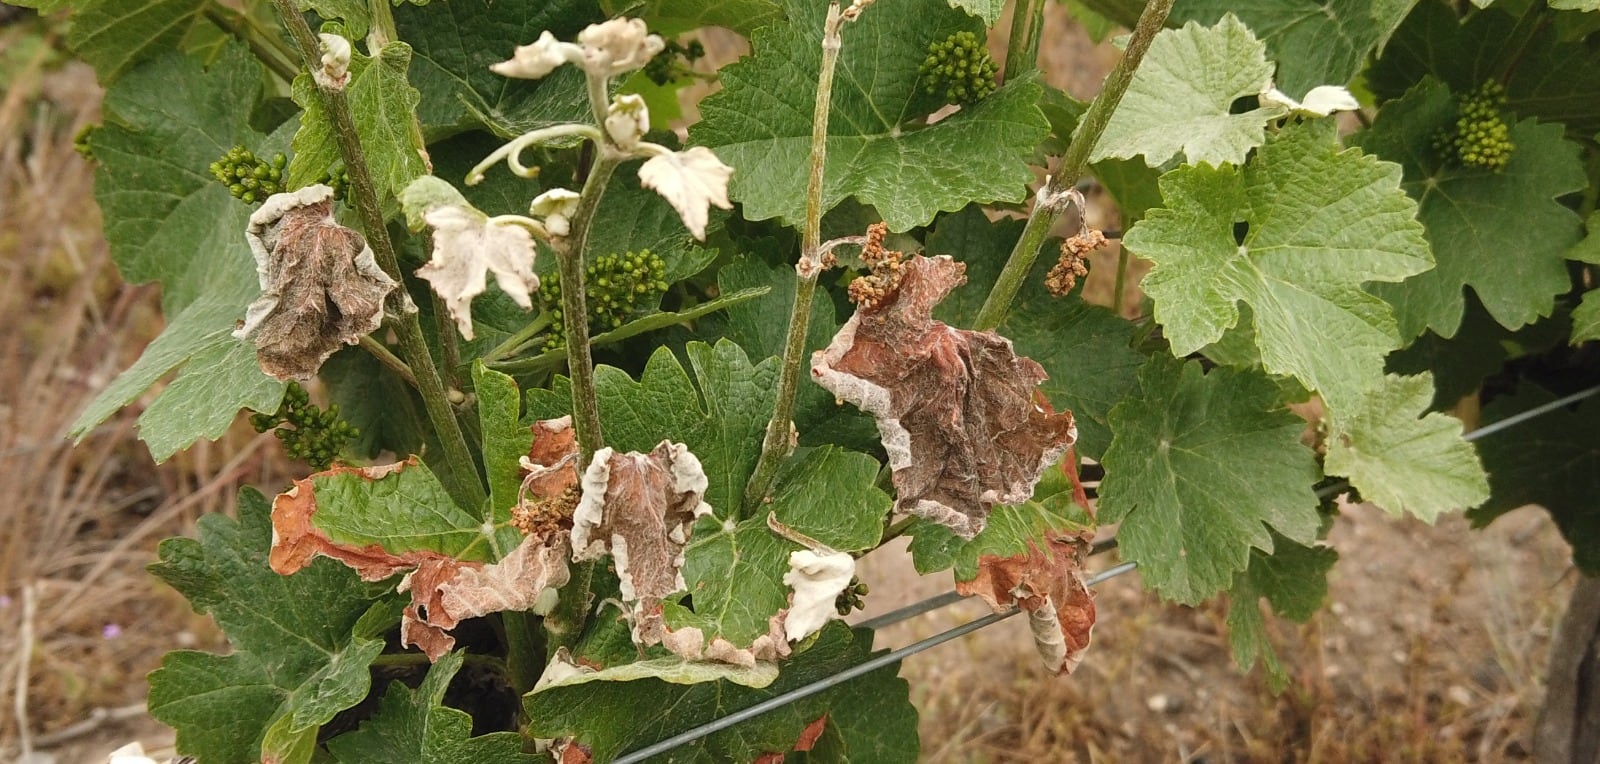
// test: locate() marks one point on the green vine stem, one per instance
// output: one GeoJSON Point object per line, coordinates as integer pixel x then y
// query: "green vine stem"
{"type": "Point", "coordinates": [387, 357]}
{"type": "Point", "coordinates": [461, 479]}
{"type": "Point", "coordinates": [1058, 194]}
{"type": "Point", "coordinates": [569, 258]}
{"type": "Point", "coordinates": [1022, 48]}
{"type": "Point", "coordinates": [776, 445]}
{"type": "Point", "coordinates": [266, 48]}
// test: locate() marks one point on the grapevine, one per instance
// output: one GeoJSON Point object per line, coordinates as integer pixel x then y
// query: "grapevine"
{"type": "Point", "coordinates": [1480, 137]}
{"type": "Point", "coordinates": [248, 178]}
{"type": "Point", "coordinates": [959, 69]}
{"type": "Point", "coordinates": [315, 436]}
{"type": "Point", "coordinates": [616, 286]}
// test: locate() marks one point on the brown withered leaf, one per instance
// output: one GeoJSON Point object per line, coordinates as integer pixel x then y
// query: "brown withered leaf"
{"type": "Point", "coordinates": [444, 590]}
{"type": "Point", "coordinates": [690, 643]}
{"type": "Point", "coordinates": [957, 410]}
{"type": "Point", "coordinates": [1049, 584]}
{"type": "Point", "coordinates": [550, 488]}
{"type": "Point", "coordinates": [320, 286]}
{"type": "Point", "coordinates": [640, 508]}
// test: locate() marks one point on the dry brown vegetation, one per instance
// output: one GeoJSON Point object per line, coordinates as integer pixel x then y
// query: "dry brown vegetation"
{"type": "Point", "coordinates": [1431, 650]}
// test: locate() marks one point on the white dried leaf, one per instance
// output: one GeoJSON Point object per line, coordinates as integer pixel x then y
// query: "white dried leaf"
{"type": "Point", "coordinates": [539, 58]}
{"type": "Point", "coordinates": [617, 46]}
{"type": "Point", "coordinates": [817, 579]}
{"type": "Point", "coordinates": [467, 246]}
{"type": "Point", "coordinates": [691, 181]}
{"type": "Point", "coordinates": [1320, 101]}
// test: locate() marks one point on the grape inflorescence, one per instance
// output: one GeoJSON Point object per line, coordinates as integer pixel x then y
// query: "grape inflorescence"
{"type": "Point", "coordinates": [1480, 137]}
{"type": "Point", "coordinates": [959, 69]}
{"type": "Point", "coordinates": [247, 177]}
{"type": "Point", "coordinates": [313, 435]}
{"type": "Point", "coordinates": [615, 287]}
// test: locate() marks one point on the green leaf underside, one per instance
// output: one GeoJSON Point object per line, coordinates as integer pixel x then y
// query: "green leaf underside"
{"type": "Point", "coordinates": [1403, 459]}
{"type": "Point", "coordinates": [1179, 99]}
{"type": "Point", "coordinates": [352, 13]}
{"type": "Point", "coordinates": [1320, 222]}
{"type": "Point", "coordinates": [988, 10]}
{"type": "Point", "coordinates": [760, 123]}
{"type": "Point", "coordinates": [114, 35]}
{"type": "Point", "coordinates": [1294, 581]}
{"type": "Point", "coordinates": [1201, 467]}
{"type": "Point", "coordinates": [869, 719]}
{"type": "Point", "coordinates": [381, 103]}
{"type": "Point", "coordinates": [295, 663]}
{"type": "Point", "coordinates": [1084, 348]}
{"type": "Point", "coordinates": [1009, 532]}
{"type": "Point", "coordinates": [735, 576]}
{"type": "Point", "coordinates": [415, 726]}
{"type": "Point", "coordinates": [1550, 461]}
{"type": "Point", "coordinates": [407, 510]}
{"type": "Point", "coordinates": [674, 17]}
{"type": "Point", "coordinates": [1502, 234]}
{"type": "Point", "coordinates": [505, 439]}
{"type": "Point", "coordinates": [168, 220]}
{"type": "Point", "coordinates": [456, 41]}
{"type": "Point", "coordinates": [1515, 45]}
{"type": "Point", "coordinates": [387, 412]}
{"type": "Point", "coordinates": [1314, 43]}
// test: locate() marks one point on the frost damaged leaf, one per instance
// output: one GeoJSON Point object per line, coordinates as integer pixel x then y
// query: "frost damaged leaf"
{"type": "Point", "coordinates": [1049, 585]}
{"type": "Point", "coordinates": [640, 508]}
{"type": "Point", "coordinates": [467, 246]}
{"type": "Point", "coordinates": [817, 579]}
{"type": "Point", "coordinates": [396, 518]}
{"type": "Point", "coordinates": [320, 286]}
{"type": "Point", "coordinates": [691, 181]}
{"type": "Point", "coordinates": [958, 411]}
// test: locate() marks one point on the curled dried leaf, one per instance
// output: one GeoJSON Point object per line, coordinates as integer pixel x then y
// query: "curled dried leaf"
{"type": "Point", "coordinates": [1049, 584]}
{"type": "Point", "coordinates": [816, 579]}
{"type": "Point", "coordinates": [692, 181]}
{"type": "Point", "coordinates": [467, 246]}
{"type": "Point", "coordinates": [550, 490]}
{"type": "Point", "coordinates": [1074, 262]}
{"type": "Point", "coordinates": [320, 285]}
{"type": "Point", "coordinates": [641, 508]}
{"type": "Point", "coordinates": [690, 642]}
{"type": "Point", "coordinates": [958, 410]}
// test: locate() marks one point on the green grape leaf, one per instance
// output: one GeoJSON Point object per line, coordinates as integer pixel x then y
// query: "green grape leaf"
{"type": "Point", "coordinates": [735, 575]}
{"type": "Point", "coordinates": [1294, 581]}
{"type": "Point", "coordinates": [168, 220]}
{"type": "Point", "coordinates": [1586, 318]}
{"type": "Point", "coordinates": [674, 17]}
{"type": "Point", "coordinates": [1011, 529]}
{"type": "Point", "coordinates": [724, 428]}
{"type": "Point", "coordinates": [456, 41]}
{"type": "Point", "coordinates": [1575, 5]}
{"type": "Point", "coordinates": [415, 726]}
{"type": "Point", "coordinates": [1401, 459]}
{"type": "Point", "coordinates": [1318, 223]}
{"type": "Point", "coordinates": [1545, 77]}
{"type": "Point", "coordinates": [1314, 43]}
{"type": "Point", "coordinates": [296, 659]}
{"type": "Point", "coordinates": [1202, 465]}
{"type": "Point", "coordinates": [386, 411]}
{"type": "Point", "coordinates": [760, 123]}
{"type": "Point", "coordinates": [868, 719]}
{"type": "Point", "coordinates": [1084, 348]}
{"type": "Point", "coordinates": [1178, 102]}
{"type": "Point", "coordinates": [505, 439]}
{"type": "Point", "coordinates": [988, 10]}
{"type": "Point", "coordinates": [1476, 218]}
{"type": "Point", "coordinates": [115, 35]}
{"type": "Point", "coordinates": [381, 102]}
{"type": "Point", "coordinates": [352, 13]}
{"type": "Point", "coordinates": [1550, 461]}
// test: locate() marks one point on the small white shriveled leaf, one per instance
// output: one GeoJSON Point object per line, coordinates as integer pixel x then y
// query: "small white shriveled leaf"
{"type": "Point", "coordinates": [1320, 101]}
{"type": "Point", "coordinates": [817, 579]}
{"type": "Point", "coordinates": [539, 58]}
{"type": "Point", "coordinates": [335, 71]}
{"type": "Point", "coordinates": [618, 46]}
{"type": "Point", "coordinates": [1403, 459]}
{"type": "Point", "coordinates": [467, 246]}
{"type": "Point", "coordinates": [640, 508]}
{"type": "Point", "coordinates": [691, 181]}
{"type": "Point", "coordinates": [1179, 100]}
{"type": "Point", "coordinates": [627, 120]}
{"type": "Point", "coordinates": [321, 288]}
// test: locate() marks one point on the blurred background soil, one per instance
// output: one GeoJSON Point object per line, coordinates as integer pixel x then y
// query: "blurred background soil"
{"type": "Point", "coordinates": [1432, 646]}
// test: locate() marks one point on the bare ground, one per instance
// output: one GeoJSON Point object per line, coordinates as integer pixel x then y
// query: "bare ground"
{"type": "Point", "coordinates": [1432, 647]}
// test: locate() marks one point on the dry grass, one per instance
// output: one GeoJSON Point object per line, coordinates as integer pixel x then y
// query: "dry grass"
{"type": "Point", "coordinates": [1431, 651]}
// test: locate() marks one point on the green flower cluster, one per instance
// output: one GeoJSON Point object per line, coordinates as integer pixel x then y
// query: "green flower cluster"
{"type": "Point", "coordinates": [248, 177]}
{"type": "Point", "coordinates": [852, 598]}
{"type": "Point", "coordinates": [959, 68]}
{"type": "Point", "coordinates": [339, 181]}
{"type": "Point", "coordinates": [1481, 137]}
{"type": "Point", "coordinates": [615, 287]}
{"type": "Point", "coordinates": [674, 61]}
{"type": "Point", "coordinates": [314, 435]}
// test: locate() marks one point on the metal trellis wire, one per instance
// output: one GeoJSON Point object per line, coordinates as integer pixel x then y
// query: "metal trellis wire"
{"type": "Point", "coordinates": [950, 598]}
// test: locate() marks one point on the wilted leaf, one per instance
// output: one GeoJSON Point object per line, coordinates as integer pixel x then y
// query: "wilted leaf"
{"type": "Point", "coordinates": [817, 579]}
{"type": "Point", "coordinates": [320, 285]}
{"type": "Point", "coordinates": [691, 181]}
{"type": "Point", "coordinates": [959, 412]}
{"type": "Point", "coordinates": [640, 508]}
{"type": "Point", "coordinates": [467, 246]}
{"type": "Point", "coordinates": [1048, 583]}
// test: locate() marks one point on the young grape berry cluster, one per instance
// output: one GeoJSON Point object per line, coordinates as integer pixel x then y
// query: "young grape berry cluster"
{"type": "Point", "coordinates": [959, 68]}
{"type": "Point", "coordinates": [616, 285]}
{"type": "Point", "coordinates": [852, 598]}
{"type": "Point", "coordinates": [247, 177]}
{"type": "Point", "coordinates": [314, 435]}
{"type": "Point", "coordinates": [1480, 137]}
{"type": "Point", "coordinates": [674, 61]}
